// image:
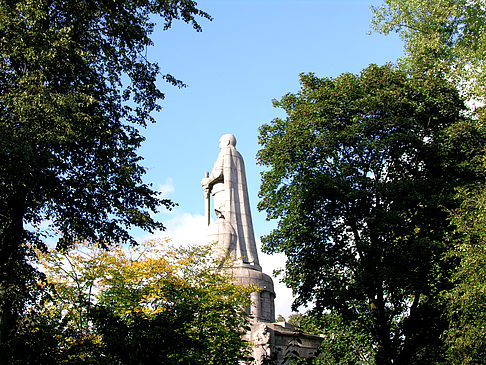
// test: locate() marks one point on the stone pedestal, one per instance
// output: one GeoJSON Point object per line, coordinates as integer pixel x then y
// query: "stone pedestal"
{"type": "Point", "coordinates": [288, 344]}
{"type": "Point", "coordinates": [262, 307]}
{"type": "Point", "coordinates": [279, 343]}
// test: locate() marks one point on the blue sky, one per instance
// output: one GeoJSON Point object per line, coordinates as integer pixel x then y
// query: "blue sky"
{"type": "Point", "coordinates": [251, 53]}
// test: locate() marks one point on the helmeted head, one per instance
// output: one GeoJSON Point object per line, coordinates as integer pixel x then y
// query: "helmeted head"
{"type": "Point", "coordinates": [226, 140]}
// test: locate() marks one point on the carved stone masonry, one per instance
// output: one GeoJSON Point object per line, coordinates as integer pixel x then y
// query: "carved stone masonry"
{"type": "Point", "coordinates": [233, 229]}
{"type": "Point", "coordinates": [232, 233]}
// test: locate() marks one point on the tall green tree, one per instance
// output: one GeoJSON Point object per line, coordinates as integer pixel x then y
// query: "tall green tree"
{"type": "Point", "coordinates": [449, 36]}
{"type": "Point", "coordinates": [75, 89]}
{"type": "Point", "coordinates": [446, 35]}
{"type": "Point", "coordinates": [359, 176]}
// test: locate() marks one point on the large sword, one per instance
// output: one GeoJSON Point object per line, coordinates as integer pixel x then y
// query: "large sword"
{"type": "Point", "coordinates": [207, 202]}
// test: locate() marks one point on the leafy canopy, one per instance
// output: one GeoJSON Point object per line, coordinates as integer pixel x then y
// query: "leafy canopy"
{"type": "Point", "coordinates": [450, 36]}
{"type": "Point", "coordinates": [446, 35]}
{"type": "Point", "coordinates": [75, 90]}
{"type": "Point", "coordinates": [74, 86]}
{"type": "Point", "coordinates": [343, 343]}
{"type": "Point", "coordinates": [147, 304]}
{"type": "Point", "coordinates": [359, 177]}
{"type": "Point", "coordinates": [466, 301]}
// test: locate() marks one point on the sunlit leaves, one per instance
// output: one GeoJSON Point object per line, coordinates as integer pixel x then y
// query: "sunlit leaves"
{"type": "Point", "coordinates": [359, 174]}
{"type": "Point", "coordinates": [449, 36]}
{"type": "Point", "coordinates": [441, 36]}
{"type": "Point", "coordinates": [132, 303]}
{"type": "Point", "coordinates": [467, 300]}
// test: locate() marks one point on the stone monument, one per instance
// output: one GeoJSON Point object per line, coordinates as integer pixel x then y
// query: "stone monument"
{"type": "Point", "coordinates": [232, 233]}
{"type": "Point", "coordinates": [233, 229]}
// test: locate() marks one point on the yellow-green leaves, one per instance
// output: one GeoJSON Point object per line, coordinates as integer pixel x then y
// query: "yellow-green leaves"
{"type": "Point", "coordinates": [466, 301]}
{"type": "Point", "coordinates": [441, 36]}
{"type": "Point", "coordinates": [148, 294]}
{"type": "Point", "coordinates": [74, 88]}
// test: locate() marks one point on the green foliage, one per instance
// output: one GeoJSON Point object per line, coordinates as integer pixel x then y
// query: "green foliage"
{"type": "Point", "coordinates": [360, 176]}
{"type": "Point", "coordinates": [446, 35]}
{"type": "Point", "coordinates": [75, 88]}
{"type": "Point", "coordinates": [343, 343]}
{"type": "Point", "coordinates": [145, 305]}
{"type": "Point", "coordinates": [449, 36]}
{"type": "Point", "coordinates": [467, 300]}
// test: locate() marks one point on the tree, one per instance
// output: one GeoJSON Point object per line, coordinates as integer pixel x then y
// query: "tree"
{"type": "Point", "coordinates": [360, 175]}
{"type": "Point", "coordinates": [150, 304]}
{"type": "Point", "coordinates": [446, 35]}
{"type": "Point", "coordinates": [466, 301]}
{"type": "Point", "coordinates": [75, 88]}
{"type": "Point", "coordinates": [450, 36]}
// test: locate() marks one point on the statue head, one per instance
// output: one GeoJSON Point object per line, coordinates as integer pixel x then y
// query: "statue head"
{"type": "Point", "coordinates": [226, 140]}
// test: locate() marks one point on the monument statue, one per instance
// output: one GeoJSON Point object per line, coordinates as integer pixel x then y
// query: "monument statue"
{"type": "Point", "coordinates": [233, 228]}
{"type": "Point", "coordinates": [233, 233]}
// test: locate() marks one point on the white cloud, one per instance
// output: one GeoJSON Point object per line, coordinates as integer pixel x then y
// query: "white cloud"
{"type": "Point", "coordinates": [182, 229]}
{"type": "Point", "coordinates": [166, 189]}
{"type": "Point", "coordinates": [185, 229]}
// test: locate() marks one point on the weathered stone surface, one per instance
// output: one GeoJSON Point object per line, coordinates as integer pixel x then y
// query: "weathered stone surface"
{"type": "Point", "coordinates": [287, 342]}
{"type": "Point", "coordinates": [232, 233]}
{"type": "Point", "coordinates": [278, 343]}
{"type": "Point", "coordinates": [263, 302]}
{"type": "Point", "coordinates": [227, 184]}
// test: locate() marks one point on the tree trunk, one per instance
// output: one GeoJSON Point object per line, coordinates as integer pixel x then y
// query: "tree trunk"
{"type": "Point", "coordinates": [381, 329]}
{"type": "Point", "coordinates": [12, 260]}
